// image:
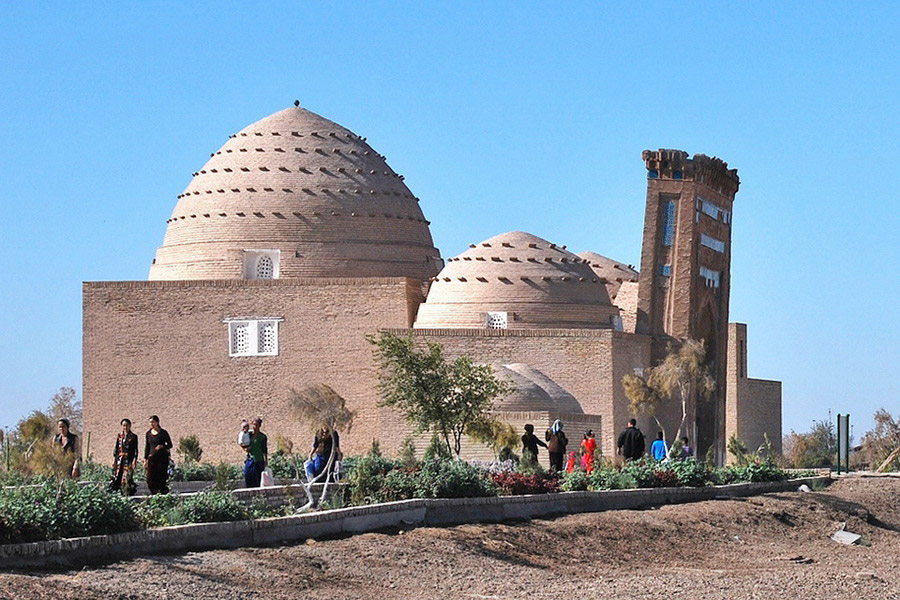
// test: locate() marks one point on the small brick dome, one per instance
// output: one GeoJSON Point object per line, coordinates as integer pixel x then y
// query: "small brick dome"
{"type": "Point", "coordinates": [310, 195]}
{"type": "Point", "coordinates": [612, 272]}
{"type": "Point", "coordinates": [529, 281]}
{"type": "Point", "coordinates": [534, 392]}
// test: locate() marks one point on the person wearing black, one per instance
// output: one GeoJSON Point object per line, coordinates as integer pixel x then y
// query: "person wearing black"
{"type": "Point", "coordinates": [530, 443]}
{"type": "Point", "coordinates": [124, 459]}
{"type": "Point", "coordinates": [556, 445]}
{"type": "Point", "coordinates": [67, 442]}
{"type": "Point", "coordinates": [156, 457]}
{"type": "Point", "coordinates": [631, 442]}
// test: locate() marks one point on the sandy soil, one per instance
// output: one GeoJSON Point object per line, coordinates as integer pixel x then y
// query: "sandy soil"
{"type": "Point", "coordinates": [772, 546]}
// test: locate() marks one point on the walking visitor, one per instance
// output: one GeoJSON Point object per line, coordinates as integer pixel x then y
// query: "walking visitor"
{"type": "Point", "coordinates": [658, 448]}
{"type": "Point", "coordinates": [630, 444]}
{"type": "Point", "coordinates": [588, 447]}
{"type": "Point", "coordinates": [67, 442]}
{"type": "Point", "coordinates": [530, 443]}
{"type": "Point", "coordinates": [257, 455]}
{"type": "Point", "coordinates": [556, 445]}
{"type": "Point", "coordinates": [686, 450]}
{"type": "Point", "coordinates": [125, 456]}
{"type": "Point", "coordinates": [156, 457]}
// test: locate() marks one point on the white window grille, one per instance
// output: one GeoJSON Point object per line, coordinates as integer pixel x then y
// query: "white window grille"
{"type": "Point", "coordinates": [261, 264]}
{"type": "Point", "coordinates": [712, 278]}
{"type": "Point", "coordinates": [264, 267]}
{"type": "Point", "coordinates": [665, 270]}
{"type": "Point", "coordinates": [711, 242]}
{"type": "Point", "coordinates": [496, 320]}
{"type": "Point", "coordinates": [669, 223]}
{"type": "Point", "coordinates": [253, 337]}
{"type": "Point", "coordinates": [240, 338]}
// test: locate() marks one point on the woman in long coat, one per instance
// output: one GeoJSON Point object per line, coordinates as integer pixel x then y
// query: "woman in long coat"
{"type": "Point", "coordinates": [156, 457]}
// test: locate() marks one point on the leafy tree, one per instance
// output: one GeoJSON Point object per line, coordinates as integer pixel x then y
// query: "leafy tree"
{"type": "Point", "coordinates": [65, 405]}
{"type": "Point", "coordinates": [817, 448]}
{"type": "Point", "coordinates": [880, 447]}
{"type": "Point", "coordinates": [445, 398]}
{"type": "Point", "coordinates": [498, 435]}
{"type": "Point", "coordinates": [682, 375]}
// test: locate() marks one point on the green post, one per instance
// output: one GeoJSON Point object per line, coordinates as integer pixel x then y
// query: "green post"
{"type": "Point", "coordinates": [847, 433]}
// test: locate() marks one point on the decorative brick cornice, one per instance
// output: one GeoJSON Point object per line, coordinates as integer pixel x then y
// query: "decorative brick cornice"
{"type": "Point", "coordinates": [675, 164]}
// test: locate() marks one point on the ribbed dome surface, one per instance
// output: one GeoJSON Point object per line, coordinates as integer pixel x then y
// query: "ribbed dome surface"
{"type": "Point", "coordinates": [613, 272]}
{"type": "Point", "coordinates": [538, 285]}
{"type": "Point", "coordinates": [533, 391]}
{"type": "Point", "coordinates": [303, 186]}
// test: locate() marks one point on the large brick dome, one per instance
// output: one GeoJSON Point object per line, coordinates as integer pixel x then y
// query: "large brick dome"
{"type": "Point", "coordinates": [611, 272]}
{"type": "Point", "coordinates": [307, 198]}
{"type": "Point", "coordinates": [516, 281]}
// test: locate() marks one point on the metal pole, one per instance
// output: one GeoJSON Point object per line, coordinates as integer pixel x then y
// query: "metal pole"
{"type": "Point", "coordinates": [839, 443]}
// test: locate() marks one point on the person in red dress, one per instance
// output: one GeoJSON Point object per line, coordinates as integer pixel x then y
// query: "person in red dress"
{"type": "Point", "coordinates": [588, 446]}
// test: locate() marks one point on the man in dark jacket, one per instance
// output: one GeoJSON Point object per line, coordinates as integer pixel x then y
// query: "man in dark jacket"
{"type": "Point", "coordinates": [631, 442]}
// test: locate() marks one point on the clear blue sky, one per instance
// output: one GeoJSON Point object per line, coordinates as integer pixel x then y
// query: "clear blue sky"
{"type": "Point", "coordinates": [502, 116]}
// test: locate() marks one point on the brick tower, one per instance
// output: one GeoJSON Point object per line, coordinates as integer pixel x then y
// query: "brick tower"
{"type": "Point", "coordinates": [685, 270]}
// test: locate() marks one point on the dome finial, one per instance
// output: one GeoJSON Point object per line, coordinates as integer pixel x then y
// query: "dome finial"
{"type": "Point", "coordinates": [297, 103]}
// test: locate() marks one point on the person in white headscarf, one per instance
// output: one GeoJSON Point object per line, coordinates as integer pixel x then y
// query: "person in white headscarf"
{"type": "Point", "coordinates": [556, 445]}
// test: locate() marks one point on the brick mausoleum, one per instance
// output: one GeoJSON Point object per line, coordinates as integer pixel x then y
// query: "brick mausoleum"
{"type": "Point", "coordinates": [296, 240]}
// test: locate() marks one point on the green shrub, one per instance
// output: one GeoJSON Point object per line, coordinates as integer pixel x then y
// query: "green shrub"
{"type": "Point", "coordinates": [51, 510]}
{"type": "Point", "coordinates": [452, 479]}
{"type": "Point", "coordinates": [94, 471]}
{"type": "Point", "coordinates": [204, 507]}
{"type": "Point", "coordinates": [398, 484]}
{"type": "Point", "coordinates": [367, 478]}
{"type": "Point", "coordinates": [643, 472]}
{"type": "Point", "coordinates": [763, 471]}
{"type": "Point", "coordinates": [212, 506]}
{"type": "Point", "coordinates": [691, 473]}
{"type": "Point", "coordinates": [576, 481]}
{"type": "Point", "coordinates": [189, 449]}
{"type": "Point", "coordinates": [158, 511]}
{"type": "Point", "coordinates": [286, 466]}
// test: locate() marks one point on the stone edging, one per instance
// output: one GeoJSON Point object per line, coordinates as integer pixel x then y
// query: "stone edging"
{"type": "Point", "coordinates": [76, 552]}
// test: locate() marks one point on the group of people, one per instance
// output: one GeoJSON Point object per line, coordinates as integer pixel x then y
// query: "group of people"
{"type": "Point", "coordinates": [555, 441]}
{"type": "Point", "coordinates": [256, 445]}
{"type": "Point", "coordinates": [630, 446]}
{"type": "Point", "coordinates": [157, 456]}
{"type": "Point", "coordinates": [125, 455]}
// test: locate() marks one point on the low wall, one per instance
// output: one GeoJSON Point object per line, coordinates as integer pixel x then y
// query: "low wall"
{"type": "Point", "coordinates": [76, 552]}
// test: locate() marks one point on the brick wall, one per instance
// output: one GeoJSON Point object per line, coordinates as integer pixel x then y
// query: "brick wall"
{"type": "Point", "coordinates": [753, 406]}
{"type": "Point", "coordinates": [588, 364]}
{"type": "Point", "coordinates": [161, 347]}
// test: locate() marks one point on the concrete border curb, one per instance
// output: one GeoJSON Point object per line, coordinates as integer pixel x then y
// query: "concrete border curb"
{"type": "Point", "coordinates": [76, 552]}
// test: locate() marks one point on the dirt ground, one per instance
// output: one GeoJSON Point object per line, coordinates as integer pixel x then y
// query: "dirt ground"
{"type": "Point", "coordinates": [772, 546]}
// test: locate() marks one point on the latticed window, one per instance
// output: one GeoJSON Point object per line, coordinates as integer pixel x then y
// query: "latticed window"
{"type": "Point", "coordinates": [240, 338]}
{"type": "Point", "coordinates": [264, 267]}
{"type": "Point", "coordinates": [253, 337]}
{"type": "Point", "coordinates": [496, 320]}
{"type": "Point", "coordinates": [268, 340]}
{"type": "Point", "coordinates": [261, 264]}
